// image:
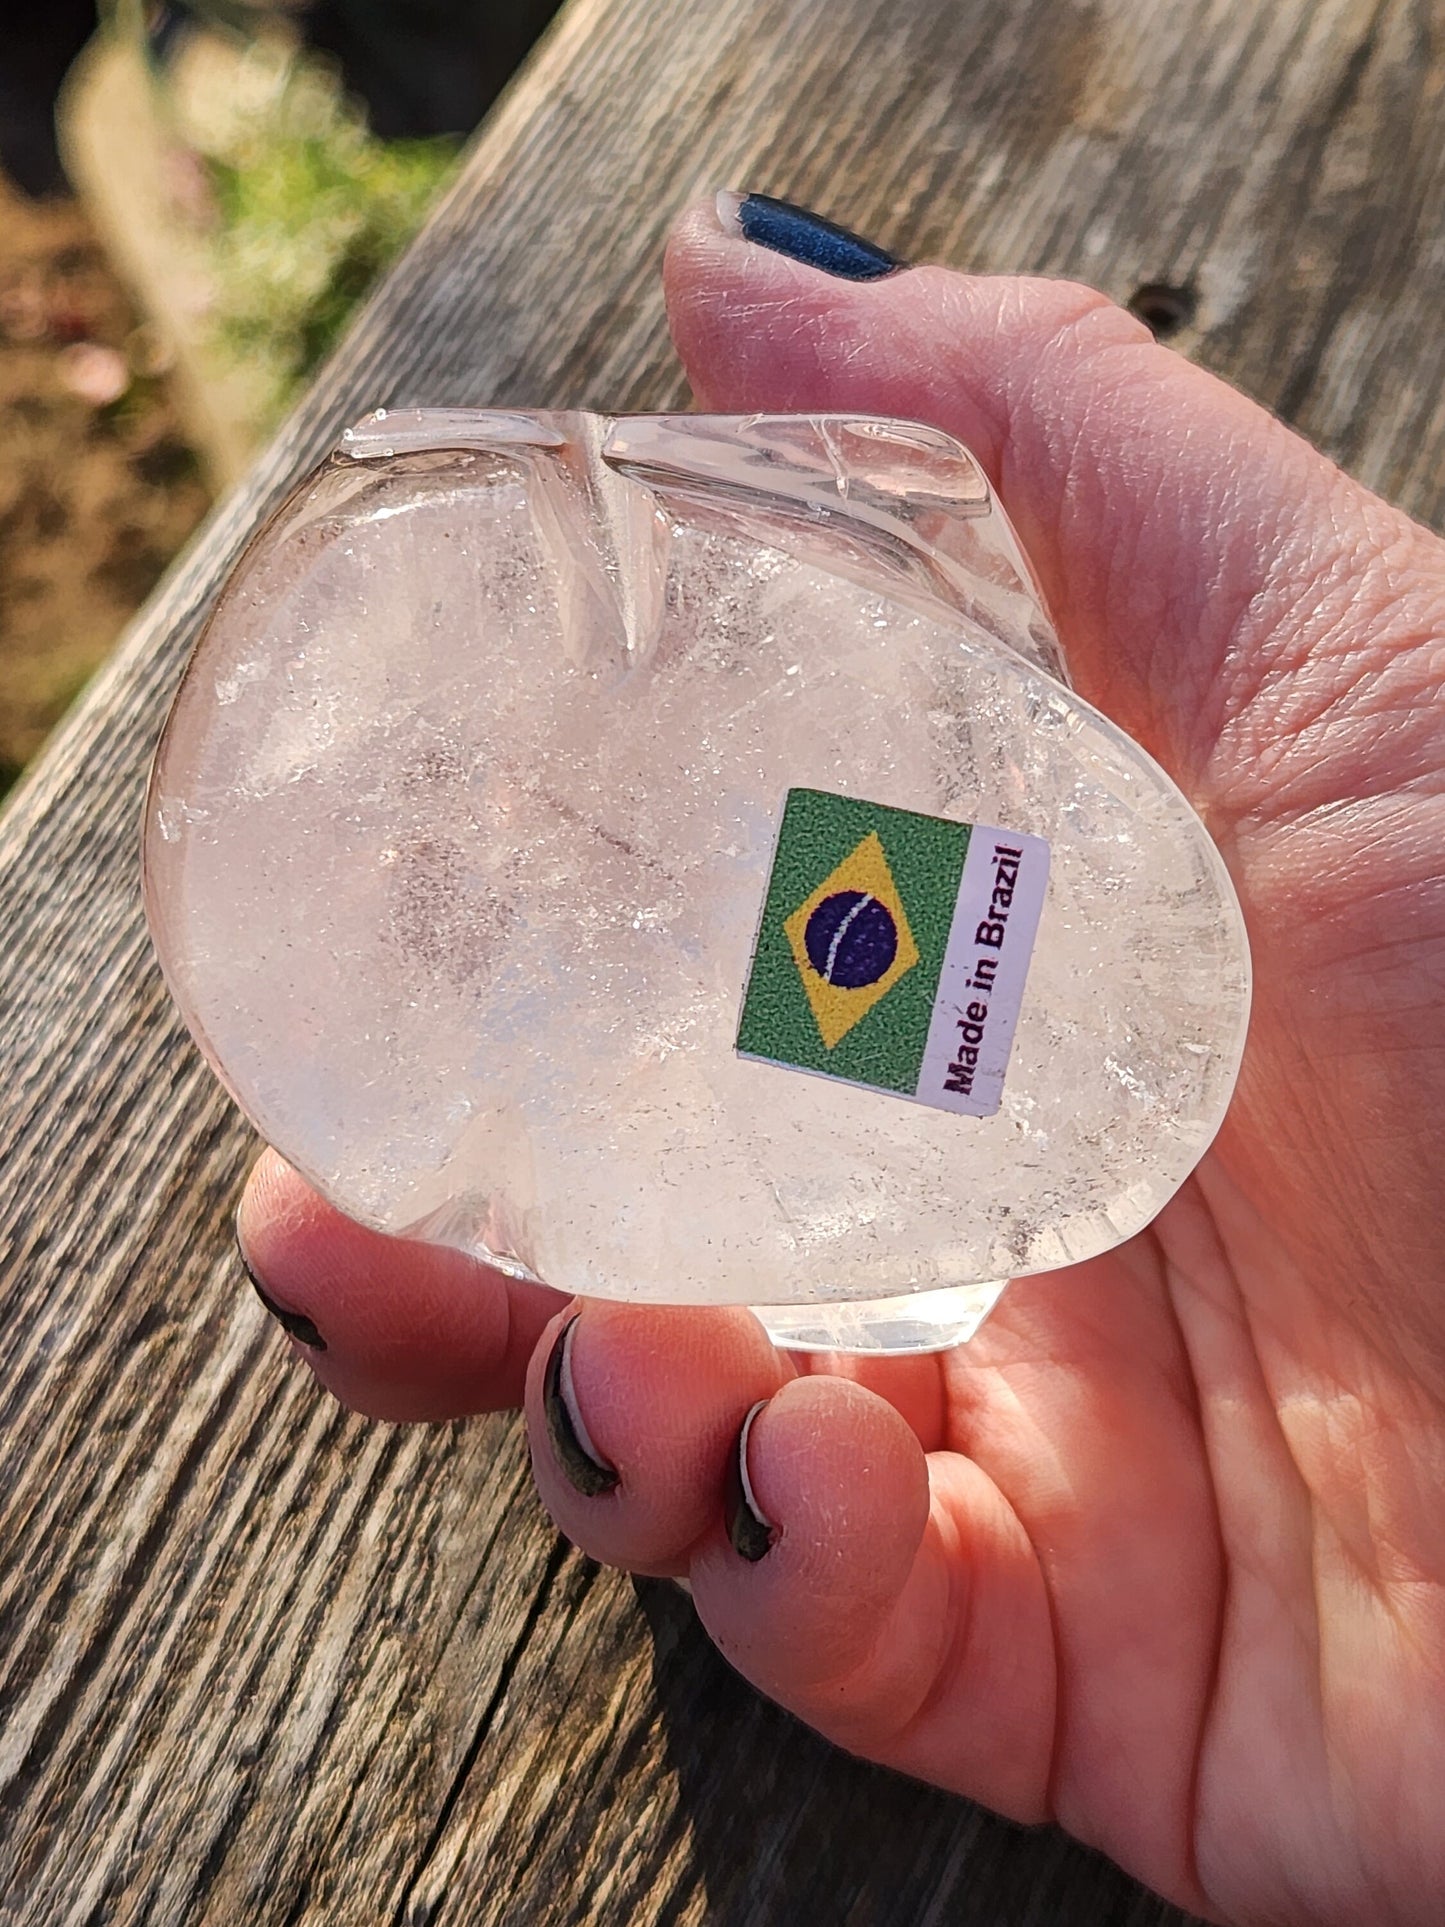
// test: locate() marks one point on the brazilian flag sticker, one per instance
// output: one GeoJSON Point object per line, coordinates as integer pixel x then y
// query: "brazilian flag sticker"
{"type": "Point", "coordinates": [893, 949]}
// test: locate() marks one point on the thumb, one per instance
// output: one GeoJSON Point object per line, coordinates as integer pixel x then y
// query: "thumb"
{"type": "Point", "coordinates": [1193, 549]}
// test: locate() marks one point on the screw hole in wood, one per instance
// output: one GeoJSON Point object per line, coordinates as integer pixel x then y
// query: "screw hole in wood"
{"type": "Point", "coordinates": [1163, 308]}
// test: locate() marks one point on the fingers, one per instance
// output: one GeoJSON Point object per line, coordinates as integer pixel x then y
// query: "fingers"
{"type": "Point", "coordinates": [887, 1598]}
{"type": "Point", "coordinates": [413, 1331]}
{"type": "Point", "coordinates": [1191, 546]}
{"type": "Point", "coordinates": [653, 1397]}
{"type": "Point", "coordinates": [394, 1329]}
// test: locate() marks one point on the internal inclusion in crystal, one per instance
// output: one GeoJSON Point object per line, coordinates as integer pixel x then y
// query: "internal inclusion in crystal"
{"type": "Point", "coordinates": [460, 827]}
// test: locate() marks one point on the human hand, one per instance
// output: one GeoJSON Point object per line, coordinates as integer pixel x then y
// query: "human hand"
{"type": "Point", "coordinates": [1161, 1552]}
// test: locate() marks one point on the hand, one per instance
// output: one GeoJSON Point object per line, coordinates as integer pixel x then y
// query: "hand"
{"type": "Point", "coordinates": [1161, 1553]}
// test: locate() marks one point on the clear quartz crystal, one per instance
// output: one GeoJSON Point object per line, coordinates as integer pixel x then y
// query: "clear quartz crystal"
{"type": "Point", "coordinates": [461, 828]}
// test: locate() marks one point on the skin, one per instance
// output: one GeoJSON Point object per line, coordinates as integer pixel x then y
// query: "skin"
{"type": "Point", "coordinates": [1161, 1553]}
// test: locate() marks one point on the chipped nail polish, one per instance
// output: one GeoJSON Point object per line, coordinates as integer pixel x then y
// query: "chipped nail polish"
{"type": "Point", "coordinates": [572, 1448]}
{"type": "Point", "coordinates": [294, 1323]}
{"type": "Point", "coordinates": [751, 1533]}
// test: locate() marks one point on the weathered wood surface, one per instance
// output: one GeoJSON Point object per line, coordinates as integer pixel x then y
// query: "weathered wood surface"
{"type": "Point", "coordinates": [263, 1662]}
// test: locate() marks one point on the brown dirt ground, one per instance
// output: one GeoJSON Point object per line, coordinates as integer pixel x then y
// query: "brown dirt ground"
{"type": "Point", "coordinates": [95, 497]}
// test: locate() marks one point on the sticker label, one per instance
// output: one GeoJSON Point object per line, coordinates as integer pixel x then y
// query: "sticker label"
{"type": "Point", "coordinates": [893, 950]}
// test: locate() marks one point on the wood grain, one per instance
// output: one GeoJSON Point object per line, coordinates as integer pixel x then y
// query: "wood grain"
{"type": "Point", "coordinates": [261, 1661]}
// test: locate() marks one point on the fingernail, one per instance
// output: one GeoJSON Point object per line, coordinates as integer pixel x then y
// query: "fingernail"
{"type": "Point", "coordinates": [294, 1323]}
{"type": "Point", "coordinates": [748, 1528]}
{"type": "Point", "coordinates": [572, 1448]}
{"type": "Point", "coordinates": [804, 237]}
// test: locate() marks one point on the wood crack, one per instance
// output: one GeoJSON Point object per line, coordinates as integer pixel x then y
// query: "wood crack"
{"type": "Point", "coordinates": [403, 1916]}
{"type": "Point", "coordinates": [1305, 371]}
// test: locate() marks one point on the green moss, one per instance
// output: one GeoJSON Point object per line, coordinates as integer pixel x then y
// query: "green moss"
{"type": "Point", "coordinates": [311, 209]}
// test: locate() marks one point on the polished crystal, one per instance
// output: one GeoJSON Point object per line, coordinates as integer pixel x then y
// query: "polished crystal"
{"type": "Point", "coordinates": [462, 824]}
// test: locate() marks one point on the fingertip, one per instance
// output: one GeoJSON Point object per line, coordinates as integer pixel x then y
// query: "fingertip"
{"type": "Point", "coordinates": [706, 227]}
{"type": "Point", "coordinates": [652, 1396]}
{"type": "Point", "coordinates": [896, 1605]}
{"type": "Point", "coordinates": [758, 328]}
{"type": "Point", "coordinates": [837, 1432]}
{"type": "Point", "coordinates": [274, 1193]}
{"type": "Point", "coordinates": [839, 1477]}
{"type": "Point", "coordinates": [402, 1330]}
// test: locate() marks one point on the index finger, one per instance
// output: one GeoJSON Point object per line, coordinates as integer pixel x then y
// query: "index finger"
{"type": "Point", "coordinates": [396, 1329]}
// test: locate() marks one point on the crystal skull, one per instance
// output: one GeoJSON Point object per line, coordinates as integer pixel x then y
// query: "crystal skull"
{"type": "Point", "coordinates": [663, 856]}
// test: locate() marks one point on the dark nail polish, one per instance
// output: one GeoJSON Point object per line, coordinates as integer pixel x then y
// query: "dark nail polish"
{"type": "Point", "coordinates": [294, 1323]}
{"type": "Point", "coordinates": [808, 238]}
{"type": "Point", "coordinates": [749, 1531]}
{"type": "Point", "coordinates": [578, 1458]}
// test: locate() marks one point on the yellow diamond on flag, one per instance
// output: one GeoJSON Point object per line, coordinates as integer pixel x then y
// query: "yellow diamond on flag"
{"type": "Point", "coordinates": [850, 940]}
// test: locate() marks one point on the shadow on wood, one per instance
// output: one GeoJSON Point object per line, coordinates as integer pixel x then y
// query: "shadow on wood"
{"type": "Point", "coordinates": [774, 1817]}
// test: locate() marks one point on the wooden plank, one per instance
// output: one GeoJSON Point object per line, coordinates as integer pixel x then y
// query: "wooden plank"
{"type": "Point", "coordinates": [262, 1661]}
